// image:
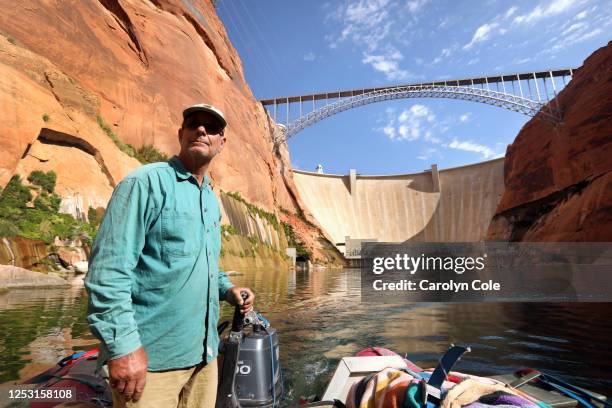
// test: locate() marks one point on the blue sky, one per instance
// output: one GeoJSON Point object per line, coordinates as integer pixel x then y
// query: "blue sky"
{"type": "Point", "coordinates": [304, 46]}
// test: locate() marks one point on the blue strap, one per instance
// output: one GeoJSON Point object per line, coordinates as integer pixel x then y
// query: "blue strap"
{"type": "Point", "coordinates": [74, 356]}
{"type": "Point", "coordinates": [576, 392]}
{"type": "Point", "coordinates": [570, 394]}
{"type": "Point", "coordinates": [263, 319]}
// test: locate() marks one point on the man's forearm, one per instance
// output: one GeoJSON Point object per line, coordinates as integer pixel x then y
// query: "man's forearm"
{"type": "Point", "coordinates": [225, 284]}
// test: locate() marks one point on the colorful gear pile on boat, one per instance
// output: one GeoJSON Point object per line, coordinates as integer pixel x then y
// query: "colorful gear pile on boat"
{"type": "Point", "coordinates": [400, 388]}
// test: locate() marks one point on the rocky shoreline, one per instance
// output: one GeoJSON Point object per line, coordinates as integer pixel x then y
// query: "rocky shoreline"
{"type": "Point", "coordinates": [16, 277]}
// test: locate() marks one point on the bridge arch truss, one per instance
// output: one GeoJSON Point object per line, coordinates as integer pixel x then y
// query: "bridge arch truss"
{"type": "Point", "coordinates": [519, 98]}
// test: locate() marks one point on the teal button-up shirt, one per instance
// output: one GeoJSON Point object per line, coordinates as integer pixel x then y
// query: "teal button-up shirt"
{"type": "Point", "coordinates": [154, 277]}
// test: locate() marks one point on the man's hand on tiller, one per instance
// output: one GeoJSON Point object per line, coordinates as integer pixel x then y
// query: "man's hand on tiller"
{"type": "Point", "coordinates": [234, 299]}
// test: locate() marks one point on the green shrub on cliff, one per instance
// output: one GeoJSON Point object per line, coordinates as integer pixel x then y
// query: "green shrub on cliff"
{"type": "Point", "coordinates": [47, 202]}
{"type": "Point", "coordinates": [45, 180]}
{"type": "Point", "coordinates": [15, 195]}
{"type": "Point", "coordinates": [94, 216]}
{"type": "Point", "coordinates": [254, 210]}
{"type": "Point", "coordinates": [146, 154]}
{"type": "Point", "coordinates": [40, 219]}
{"type": "Point", "coordinates": [125, 148]}
{"type": "Point", "coordinates": [294, 242]}
{"type": "Point", "coordinates": [228, 230]}
{"type": "Point", "coordinates": [149, 154]}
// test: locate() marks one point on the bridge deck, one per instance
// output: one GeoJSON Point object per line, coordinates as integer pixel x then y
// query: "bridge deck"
{"type": "Point", "coordinates": [564, 72]}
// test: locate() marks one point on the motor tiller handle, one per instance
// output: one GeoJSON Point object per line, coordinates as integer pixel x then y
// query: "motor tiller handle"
{"type": "Point", "coordinates": [238, 320]}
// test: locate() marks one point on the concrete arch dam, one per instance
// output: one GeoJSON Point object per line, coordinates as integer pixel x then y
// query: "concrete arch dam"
{"type": "Point", "coordinates": [452, 205]}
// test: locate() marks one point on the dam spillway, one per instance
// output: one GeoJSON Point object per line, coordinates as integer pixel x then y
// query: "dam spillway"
{"type": "Point", "coordinates": [451, 205]}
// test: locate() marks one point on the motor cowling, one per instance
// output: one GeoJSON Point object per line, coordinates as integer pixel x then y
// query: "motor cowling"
{"type": "Point", "coordinates": [250, 373]}
{"type": "Point", "coordinates": [258, 381]}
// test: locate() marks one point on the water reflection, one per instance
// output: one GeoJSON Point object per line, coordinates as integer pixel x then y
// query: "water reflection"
{"type": "Point", "coordinates": [40, 326]}
{"type": "Point", "coordinates": [320, 319]}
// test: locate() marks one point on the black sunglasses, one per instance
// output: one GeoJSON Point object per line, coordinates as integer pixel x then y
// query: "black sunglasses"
{"type": "Point", "coordinates": [211, 127]}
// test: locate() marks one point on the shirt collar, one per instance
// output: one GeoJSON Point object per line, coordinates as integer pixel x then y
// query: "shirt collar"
{"type": "Point", "coordinates": [181, 171]}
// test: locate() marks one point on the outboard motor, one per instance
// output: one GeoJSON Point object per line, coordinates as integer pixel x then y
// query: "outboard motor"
{"type": "Point", "coordinates": [250, 375]}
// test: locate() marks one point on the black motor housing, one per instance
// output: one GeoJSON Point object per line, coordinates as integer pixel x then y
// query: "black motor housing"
{"type": "Point", "coordinates": [258, 359]}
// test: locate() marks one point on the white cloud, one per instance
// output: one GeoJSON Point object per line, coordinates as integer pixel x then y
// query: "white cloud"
{"type": "Point", "coordinates": [581, 15]}
{"type": "Point", "coordinates": [387, 63]}
{"type": "Point", "coordinates": [427, 153]}
{"type": "Point", "coordinates": [365, 22]}
{"type": "Point", "coordinates": [389, 131]}
{"type": "Point", "coordinates": [468, 146]}
{"type": "Point", "coordinates": [534, 15]}
{"type": "Point", "coordinates": [445, 53]}
{"type": "Point", "coordinates": [482, 33]}
{"type": "Point", "coordinates": [429, 137]}
{"type": "Point", "coordinates": [577, 32]}
{"type": "Point", "coordinates": [411, 124]}
{"type": "Point", "coordinates": [465, 117]}
{"type": "Point", "coordinates": [309, 57]}
{"type": "Point", "coordinates": [415, 5]}
{"type": "Point", "coordinates": [539, 12]}
{"type": "Point", "coordinates": [522, 61]}
{"type": "Point", "coordinates": [473, 61]}
{"type": "Point", "coordinates": [574, 27]}
{"type": "Point", "coordinates": [367, 12]}
{"type": "Point", "coordinates": [376, 29]}
{"type": "Point", "coordinates": [559, 6]}
{"type": "Point", "coordinates": [445, 22]}
{"type": "Point", "coordinates": [575, 37]}
{"type": "Point", "coordinates": [510, 12]}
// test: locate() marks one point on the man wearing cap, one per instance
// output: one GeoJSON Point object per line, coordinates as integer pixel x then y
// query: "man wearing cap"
{"type": "Point", "coordinates": [154, 283]}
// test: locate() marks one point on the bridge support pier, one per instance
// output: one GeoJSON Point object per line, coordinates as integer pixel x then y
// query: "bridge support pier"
{"type": "Point", "coordinates": [353, 182]}
{"type": "Point", "coordinates": [435, 177]}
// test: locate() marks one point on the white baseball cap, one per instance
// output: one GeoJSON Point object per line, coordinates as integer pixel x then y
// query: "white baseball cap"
{"type": "Point", "coordinates": [202, 107]}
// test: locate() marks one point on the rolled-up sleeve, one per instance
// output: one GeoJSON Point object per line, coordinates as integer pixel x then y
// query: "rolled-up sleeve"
{"type": "Point", "coordinates": [225, 284]}
{"type": "Point", "coordinates": [114, 257]}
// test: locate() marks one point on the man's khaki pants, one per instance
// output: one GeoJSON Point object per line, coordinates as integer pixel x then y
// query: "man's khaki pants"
{"type": "Point", "coordinates": [194, 387]}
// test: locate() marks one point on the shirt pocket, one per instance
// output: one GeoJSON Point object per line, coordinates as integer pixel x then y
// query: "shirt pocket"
{"type": "Point", "coordinates": [180, 237]}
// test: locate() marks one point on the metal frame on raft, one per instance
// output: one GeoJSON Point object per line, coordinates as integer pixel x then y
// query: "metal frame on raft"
{"type": "Point", "coordinates": [510, 97]}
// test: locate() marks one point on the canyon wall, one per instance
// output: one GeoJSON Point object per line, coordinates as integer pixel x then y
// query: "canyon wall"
{"type": "Point", "coordinates": [558, 177]}
{"type": "Point", "coordinates": [135, 65]}
{"type": "Point", "coordinates": [76, 75]}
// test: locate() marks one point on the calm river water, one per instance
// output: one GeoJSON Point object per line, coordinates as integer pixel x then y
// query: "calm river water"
{"type": "Point", "coordinates": [320, 319]}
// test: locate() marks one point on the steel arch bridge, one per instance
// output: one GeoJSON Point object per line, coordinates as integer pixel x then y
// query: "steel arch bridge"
{"type": "Point", "coordinates": [526, 93]}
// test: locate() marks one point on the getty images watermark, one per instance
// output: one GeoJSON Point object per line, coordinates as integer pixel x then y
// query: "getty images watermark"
{"type": "Point", "coordinates": [412, 264]}
{"type": "Point", "coordinates": [491, 271]}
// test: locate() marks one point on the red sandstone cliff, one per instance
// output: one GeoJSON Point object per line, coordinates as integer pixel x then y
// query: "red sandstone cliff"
{"type": "Point", "coordinates": [136, 64]}
{"type": "Point", "coordinates": [558, 179]}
